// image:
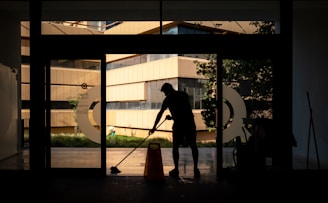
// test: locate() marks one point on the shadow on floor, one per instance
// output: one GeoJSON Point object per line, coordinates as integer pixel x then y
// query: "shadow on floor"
{"type": "Point", "coordinates": [234, 187]}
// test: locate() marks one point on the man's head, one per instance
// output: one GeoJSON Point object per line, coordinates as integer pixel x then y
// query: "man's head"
{"type": "Point", "coordinates": [167, 88]}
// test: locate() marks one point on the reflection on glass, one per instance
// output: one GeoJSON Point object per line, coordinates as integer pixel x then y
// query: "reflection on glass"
{"type": "Point", "coordinates": [75, 113]}
{"type": "Point", "coordinates": [153, 27]}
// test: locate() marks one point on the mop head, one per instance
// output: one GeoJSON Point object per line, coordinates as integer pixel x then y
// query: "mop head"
{"type": "Point", "coordinates": [114, 169]}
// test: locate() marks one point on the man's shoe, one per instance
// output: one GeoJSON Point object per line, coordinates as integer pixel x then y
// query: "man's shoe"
{"type": "Point", "coordinates": [174, 173]}
{"type": "Point", "coordinates": [196, 173]}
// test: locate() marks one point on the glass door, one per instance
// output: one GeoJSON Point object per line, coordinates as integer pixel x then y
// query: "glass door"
{"type": "Point", "coordinates": [75, 114]}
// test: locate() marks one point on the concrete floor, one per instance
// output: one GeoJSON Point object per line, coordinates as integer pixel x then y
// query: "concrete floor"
{"type": "Point", "coordinates": [133, 163]}
{"type": "Point", "coordinates": [21, 184]}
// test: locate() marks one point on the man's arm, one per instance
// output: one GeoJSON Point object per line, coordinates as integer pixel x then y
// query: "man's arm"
{"type": "Point", "coordinates": [158, 118]}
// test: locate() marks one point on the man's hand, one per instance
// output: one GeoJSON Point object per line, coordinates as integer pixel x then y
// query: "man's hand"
{"type": "Point", "coordinates": [168, 117]}
{"type": "Point", "coordinates": [151, 131]}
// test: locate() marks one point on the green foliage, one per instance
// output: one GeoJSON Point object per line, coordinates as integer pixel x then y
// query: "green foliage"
{"type": "Point", "coordinates": [209, 101]}
{"type": "Point", "coordinates": [73, 102]}
{"type": "Point", "coordinates": [118, 141]}
{"type": "Point", "coordinates": [264, 27]}
{"type": "Point", "coordinates": [71, 141]}
{"type": "Point", "coordinates": [258, 71]}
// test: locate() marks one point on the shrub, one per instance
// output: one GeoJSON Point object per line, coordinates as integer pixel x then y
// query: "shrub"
{"type": "Point", "coordinates": [118, 141]}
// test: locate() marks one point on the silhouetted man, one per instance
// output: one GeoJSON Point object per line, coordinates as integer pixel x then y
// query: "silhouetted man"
{"type": "Point", "coordinates": [184, 127]}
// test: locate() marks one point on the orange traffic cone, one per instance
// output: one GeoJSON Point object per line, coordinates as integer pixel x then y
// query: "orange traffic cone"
{"type": "Point", "coordinates": [154, 165]}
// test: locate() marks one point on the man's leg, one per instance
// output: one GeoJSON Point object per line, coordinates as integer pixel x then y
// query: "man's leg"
{"type": "Point", "coordinates": [175, 156]}
{"type": "Point", "coordinates": [195, 153]}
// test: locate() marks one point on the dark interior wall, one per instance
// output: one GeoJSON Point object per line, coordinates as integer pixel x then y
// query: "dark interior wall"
{"type": "Point", "coordinates": [310, 72]}
{"type": "Point", "coordinates": [10, 52]}
{"type": "Point", "coordinates": [10, 44]}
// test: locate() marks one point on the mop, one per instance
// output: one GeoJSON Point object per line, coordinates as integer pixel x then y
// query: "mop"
{"type": "Point", "coordinates": [114, 169]}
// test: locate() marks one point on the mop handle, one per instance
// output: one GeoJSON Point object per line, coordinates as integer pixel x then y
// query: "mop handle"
{"type": "Point", "coordinates": [139, 144]}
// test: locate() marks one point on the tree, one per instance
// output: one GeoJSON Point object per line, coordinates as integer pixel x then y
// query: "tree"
{"type": "Point", "coordinates": [258, 72]}
{"type": "Point", "coordinates": [208, 69]}
{"type": "Point", "coordinates": [73, 102]}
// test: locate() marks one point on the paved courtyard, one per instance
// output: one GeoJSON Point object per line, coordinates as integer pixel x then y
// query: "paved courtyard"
{"type": "Point", "coordinates": [133, 163]}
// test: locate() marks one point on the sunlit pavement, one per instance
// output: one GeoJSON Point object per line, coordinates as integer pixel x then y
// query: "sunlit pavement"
{"type": "Point", "coordinates": [134, 164]}
{"type": "Point", "coordinates": [130, 161]}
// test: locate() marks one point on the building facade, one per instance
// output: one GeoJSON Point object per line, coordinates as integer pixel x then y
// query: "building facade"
{"type": "Point", "coordinates": [133, 81]}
